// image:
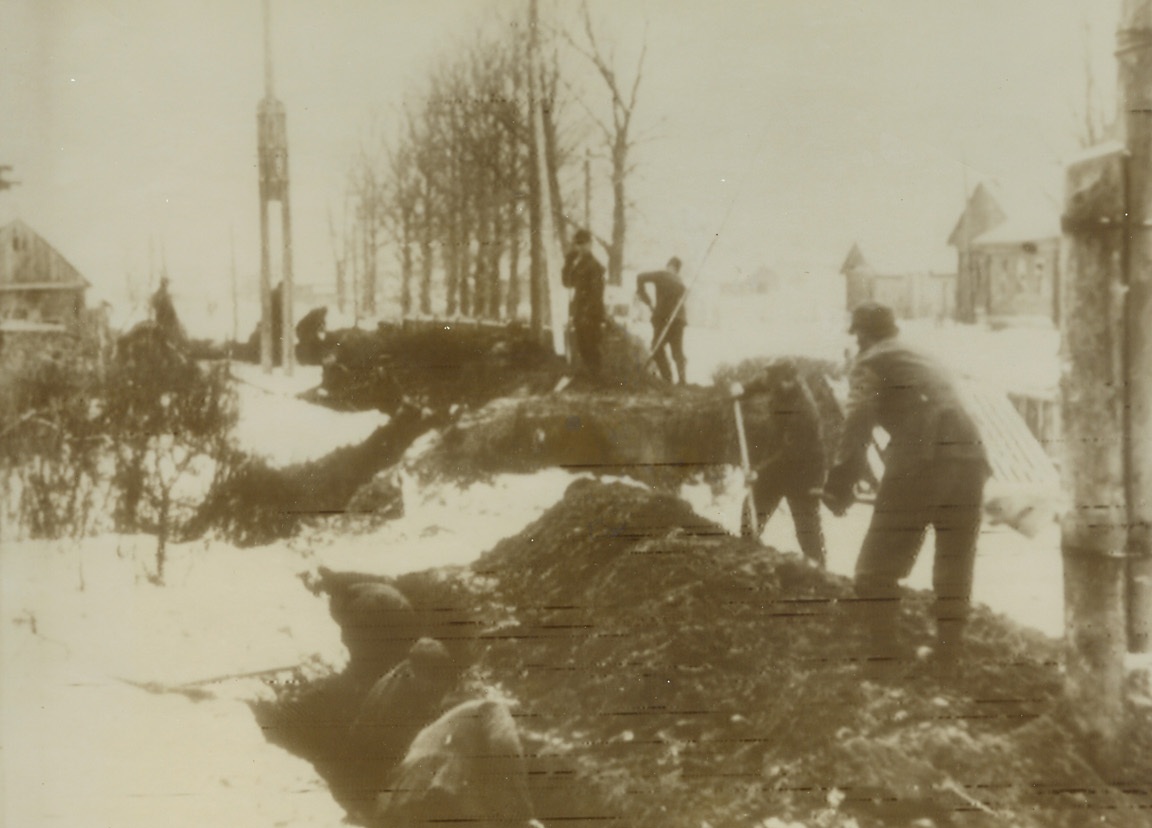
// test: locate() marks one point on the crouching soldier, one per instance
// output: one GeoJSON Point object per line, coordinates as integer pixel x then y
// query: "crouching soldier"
{"type": "Point", "coordinates": [403, 701]}
{"type": "Point", "coordinates": [795, 465]}
{"type": "Point", "coordinates": [466, 767]}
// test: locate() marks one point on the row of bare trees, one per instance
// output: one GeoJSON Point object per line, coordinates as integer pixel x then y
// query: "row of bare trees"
{"type": "Point", "coordinates": [439, 212]}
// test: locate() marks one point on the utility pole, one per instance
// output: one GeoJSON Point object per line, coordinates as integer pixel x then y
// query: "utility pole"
{"type": "Point", "coordinates": [1106, 349]}
{"type": "Point", "coordinates": [272, 142]}
{"type": "Point", "coordinates": [1134, 55]}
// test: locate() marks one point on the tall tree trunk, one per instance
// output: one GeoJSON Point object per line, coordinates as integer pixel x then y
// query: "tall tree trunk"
{"type": "Point", "coordinates": [406, 265]}
{"type": "Point", "coordinates": [536, 273]}
{"type": "Point", "coordinates": [619, 209]}
{"type": "Point", "coordinates": [452, 265]}
{"type": "Point", "coordinates": [512, 297]}
{"type": "Point", "coordinates": [552, 162]}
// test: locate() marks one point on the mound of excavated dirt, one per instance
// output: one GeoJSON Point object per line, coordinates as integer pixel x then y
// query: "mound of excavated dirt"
{"type": "Point", "coordinates": [661, 436]}
{"type": "Point", "coordinates": [665, 673]}
{"type": "Point", "coordinates": [692, 678]}
{"type": "Point", "coordinates": [439, 365]}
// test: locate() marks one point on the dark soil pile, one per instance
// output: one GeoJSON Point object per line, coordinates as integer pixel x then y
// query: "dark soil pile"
{"type": "Point", "coordinates": [661, 435]}
{"type": "Point", "coordinates": [665, 673]}
{"type": "Point", "coordinates": [440, 365]}
{"type": "Point", "coordinates": [692, 678]}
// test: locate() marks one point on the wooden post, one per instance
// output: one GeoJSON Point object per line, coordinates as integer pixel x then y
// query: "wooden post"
{"type": "Point", "coordinates": [265, 291]}
{"type": "Point", "coordinates": [1134, 55]}
{"type": "Point", "coordinates": [1092, 389]}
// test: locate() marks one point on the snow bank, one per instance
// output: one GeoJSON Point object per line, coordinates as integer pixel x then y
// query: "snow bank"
{"type": "Point", "coordinates": [86, 744]}
{"type": "Point", "coordinates": [284, 430]}
{"type": "Point", "coordinates": [444, 525]}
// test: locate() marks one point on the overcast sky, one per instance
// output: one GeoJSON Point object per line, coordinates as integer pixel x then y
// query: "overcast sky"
{"type": "Point", "coordinates": [787, 128]}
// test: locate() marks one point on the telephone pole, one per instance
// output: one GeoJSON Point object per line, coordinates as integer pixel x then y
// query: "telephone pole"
{"type": "Point", "coordinates": [272, 142]}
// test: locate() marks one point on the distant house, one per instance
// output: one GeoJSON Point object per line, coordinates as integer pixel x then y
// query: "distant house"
{"type": "Point", "coordinates": [913, 293]}
{"type": "Point", "coordinates": [1008, 257]}
{"type": "Point", "coordinates": [38, 287]}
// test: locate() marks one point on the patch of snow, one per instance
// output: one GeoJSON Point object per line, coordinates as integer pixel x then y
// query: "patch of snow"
{"type": "Point", "coordinates": [284, 430]}
{"type": "Point", "coordinates": [85, 744]}
{"type": "Point", "coordinates": [445, 525]}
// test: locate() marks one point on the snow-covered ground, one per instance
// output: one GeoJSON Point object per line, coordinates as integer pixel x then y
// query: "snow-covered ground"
{"type": "Point", "coordinates": [85, 639]}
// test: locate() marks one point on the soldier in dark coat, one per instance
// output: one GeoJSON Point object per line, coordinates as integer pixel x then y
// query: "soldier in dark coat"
{"type": "Point", "coordinates": [794, 468]}
{"type": "Point", "coordinates": [164, 313]}
{"type": "Point", "coordinates": [935, 468]}
{"type": "Point", "coordinates": [400, 703]}
{"type": "Point", "coordinates": [467, 767]}
{"type": "Point", "coordinates": [310, 336]}
{"type": "Point", "coordinates": [669, 317]}
{"type": "Point", "coordinates": [585, 275]}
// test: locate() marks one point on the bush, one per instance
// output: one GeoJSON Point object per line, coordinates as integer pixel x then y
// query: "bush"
{"type": "Point", "coordinates": [142, 435]}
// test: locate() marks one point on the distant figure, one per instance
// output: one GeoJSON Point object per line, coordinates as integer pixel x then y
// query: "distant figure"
{"type": "Point", "coordinates": [311, 332]}
{"type": "Point", "coordinates": [669, 317]}
{"type": "Point", "coordinates": [935, 468]}
{"type": "Point", "coordinates": [465, 768]}
{"type": "Point", "coordinates": [164, 313]}
{"type": "Point", "coordinates": [585, 275]}
{"type": "Point", "coordinates": [795, 467]}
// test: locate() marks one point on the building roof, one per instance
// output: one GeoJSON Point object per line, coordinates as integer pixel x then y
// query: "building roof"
{"type": "Point", "coordinates": [72, 277]}
{"type": "Point", "coordinates": [997, 213]}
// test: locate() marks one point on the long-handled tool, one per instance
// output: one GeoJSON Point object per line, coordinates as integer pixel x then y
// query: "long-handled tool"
{"type": "Point", "coordinates": [749, 506]}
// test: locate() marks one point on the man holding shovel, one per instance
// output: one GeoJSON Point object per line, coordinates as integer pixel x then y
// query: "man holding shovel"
{"type": "Point", "coordinates": [668, 317]}
{"type": "Point", "coordinates": [794, 468]}
{"type": "Point", "coordinates": [935, 468]}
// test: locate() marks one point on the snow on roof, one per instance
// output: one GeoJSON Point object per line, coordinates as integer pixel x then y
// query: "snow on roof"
{"type": "Point", "coordinates": [1008, 212]}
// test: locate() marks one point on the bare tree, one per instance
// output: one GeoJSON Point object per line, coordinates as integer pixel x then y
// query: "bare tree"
{"type": "Point", "coordinates": [616, 134]}
{"type": "Point", "coordinates": [1095, 120]}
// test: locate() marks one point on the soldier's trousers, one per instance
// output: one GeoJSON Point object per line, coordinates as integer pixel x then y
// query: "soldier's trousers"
{"type": "Point", "coordinates": [946, 495]}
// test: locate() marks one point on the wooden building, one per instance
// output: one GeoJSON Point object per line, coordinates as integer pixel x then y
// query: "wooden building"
{"type": "Point", "coordinates": [1008, 257]}
{"type": "Point", "coordinates": [38, 286]}
{"type": "Point", "coordinates": [912, 293]}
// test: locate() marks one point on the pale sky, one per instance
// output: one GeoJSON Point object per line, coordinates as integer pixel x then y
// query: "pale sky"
{"type": "Point", "coordinates": [790, 128]}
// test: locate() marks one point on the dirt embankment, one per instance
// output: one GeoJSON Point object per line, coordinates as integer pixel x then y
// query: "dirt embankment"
{"type": "Point", "coordinates": [665, 673]}
{"type": "Point", "coordinates": [661, 436]}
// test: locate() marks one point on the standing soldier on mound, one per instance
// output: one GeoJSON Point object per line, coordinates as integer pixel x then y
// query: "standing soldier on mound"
{"type": "Point", "coordinates": [585, 275]}
{"type": "Point", "coordinates": [935, 468]}
{"type": "Point", "coordinates": [795, 468]}
{"type": "Point", "coordinates": [668, 317]}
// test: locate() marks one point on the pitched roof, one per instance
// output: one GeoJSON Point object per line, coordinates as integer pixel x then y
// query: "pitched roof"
{"type": "Point", "coordinates": [999, 213]}
{"type": "Point", "coordinates": [65, 273]}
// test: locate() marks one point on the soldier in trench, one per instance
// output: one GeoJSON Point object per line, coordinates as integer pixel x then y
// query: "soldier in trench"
{"type": "Point", "coordinates": [466, 767]}
{"type": "Point", "coordinates": [398, 706]}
